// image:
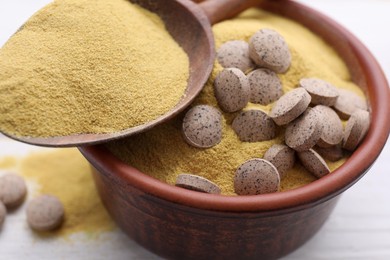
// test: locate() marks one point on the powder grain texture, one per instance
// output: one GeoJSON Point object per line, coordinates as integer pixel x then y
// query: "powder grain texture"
{"type": "Point", "coordinates": [65, 174]}
{"type": "Point", "coordinates": [89, 66]}
{"type": "Point", "coordinates": [162, 152]}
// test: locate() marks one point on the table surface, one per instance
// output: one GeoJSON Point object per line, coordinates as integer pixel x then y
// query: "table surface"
{"type": "Point", "coordinates": [359, 228]}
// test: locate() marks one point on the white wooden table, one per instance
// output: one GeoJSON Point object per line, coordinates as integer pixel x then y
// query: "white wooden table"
{"type": "Point", "coordinates": [359, 228]}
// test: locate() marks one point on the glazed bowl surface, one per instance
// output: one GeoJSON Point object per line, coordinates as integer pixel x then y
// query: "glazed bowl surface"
{"type": "Point", "coordinates": [182, 224]}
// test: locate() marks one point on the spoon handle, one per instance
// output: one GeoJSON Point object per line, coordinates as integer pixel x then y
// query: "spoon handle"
{"type": "Point", "coordinates": [218, 10]}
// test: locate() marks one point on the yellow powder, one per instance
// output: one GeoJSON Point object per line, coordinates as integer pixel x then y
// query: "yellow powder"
{"type": "Point", "coordinates": [163, 153]}
{"type": "Point", "coordinates": [7, 162]}
{"type": "Point", "coordinates": [89, 66]}
{"type": "Point", "coordinates": [66, 174]}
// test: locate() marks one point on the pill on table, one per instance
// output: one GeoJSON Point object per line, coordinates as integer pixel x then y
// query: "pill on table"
{"type": "Point", "coordinates": [45, 213]}
{"type": "Point", "coordinates": [256, 176]}
{"type": "Point", "coordinates": [332, 132]}
{"type": "Point", "coordinates": [289, 106]}
{"type": "Point", "coordinates": [202, 126]}
{"type": "Point", "coordinates": [282, 157]}
{"type": "Point", "coordinates": [265, 86]}
{"type": "Point", "coordinates": [254, 126]}
{"type": "Point", "coordinates": [232, 91]}
{"type": "Point", "coordinates": [3, 213]}
{"type": "Point", "coordinates": [321, 91]}
{"type": "Point", "coordinates": [268, 49]}
{"type": "Point", "coordinates": [348, 102]}
{"type": "Point", "coordinates": [314, 163]}
{"type": "Point", "coordinates": [197, 183]}
{"type": "Point", "coordinates": [333, 153]}
{"type": "Point", "coordinates": [235, 54]}
{"type": "Point", "coordinates": [13, 190]}
{"type": "Point", "coordinates": [304, 132]}
{"type": "Point", "coordinates": [356, 129]}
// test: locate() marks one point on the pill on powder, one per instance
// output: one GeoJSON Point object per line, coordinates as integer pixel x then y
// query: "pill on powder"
{"type": "Point", "coordinates": [348, 102]}
{"type": "Point", "coordinates": [314, 163]}
{"type": "Point", "coordinates": [197, 183]}
{"type": "Point", "coordinates": [290, 106]}
{"type": "Point", "coordinates": [332, 132]}
{"type": "Point", "coordinates": [202, 126]}
{"type": "Point", "coordinates": [304, 132]}
{"type": "Point", "coordinates": [231, 88]}
{"type": "Point", "coordinates": [235, 54]}
{"type": "Point", "coordinates": [13, 190]}
{"type": "Point", "coordinates": [265, 86]}
{"type": "Point", "coordinates": [356, 129]}
{"type": "Point", "coordinates": [254, 126]}
{"type": "Point", "coordinates": [282, 157]}
{"type": "Point", "coordinates": [256, 176]}
{"type": "Point", "coordinates": [321, 91]}
{"type": "Point", "coordinates": [333, 153]}
{"type": "Point", "coordinates": [268, 49]}
{"type": "Point", "coordinates": [3, 213]}
{"type": "Point", "coordinates": [45, 213]}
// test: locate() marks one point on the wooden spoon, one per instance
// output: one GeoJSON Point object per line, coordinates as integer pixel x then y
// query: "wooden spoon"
{"type": "Point", "coordinates": [190, 25]}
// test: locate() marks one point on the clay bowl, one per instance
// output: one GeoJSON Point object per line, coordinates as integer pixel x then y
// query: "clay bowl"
{"type": "Point", "coordinates": [183, 224]}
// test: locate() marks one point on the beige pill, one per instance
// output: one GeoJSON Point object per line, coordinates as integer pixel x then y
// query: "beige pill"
{"type": "Point", "coordinates": [256, 176]}
{"type": "Point", "coordinates": [231, 88]}
{"type": "Point", "coordinates": [254, 126]}
{"type": "Point", "coordinates": [265, 86]}
{"type": "Point", "coordinates": [268, 49]}
{"type": "Point", "coordinates": [13, 190]}
{"type": "Point", "coordinates": [332, 131]}
{"type": "Point", "coordinates": [290, 106]}
{"type": "Point", "coordinates": [197, 183]}
{"type": "Point", "coordinates": [202, 126]}
{"type": "Point", "coordinates": [304, 132]}
{"type": "Point", "coordinates": [3, 213]}
{"type": "Point", "coordinates": [356, 128]}
{"type": "Point", "coordinates": [321, 92]}
{"type": "Point", "coordinates": [348, 102]}
{"type": "Point", "coordinates": [282, 157]}
{"type": "Point", "coordinates": [314, 163]}
{"type": "Point", "coordinates": [45, 213]}
{"type": "Point", "coordinates": [332, 154]}
{"type": "Point", "coordinates": [235, 54]}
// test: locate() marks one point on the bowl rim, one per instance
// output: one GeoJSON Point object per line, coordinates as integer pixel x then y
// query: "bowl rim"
{"type": "Point", "coordinates": [311, 194]}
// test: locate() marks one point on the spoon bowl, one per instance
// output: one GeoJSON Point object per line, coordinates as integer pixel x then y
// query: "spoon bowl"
{"type": "Point", "coordinates": [190, 26]}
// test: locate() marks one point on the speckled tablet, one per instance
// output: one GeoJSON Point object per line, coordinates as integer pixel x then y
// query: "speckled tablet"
{"type": "Point", "coordinates": [321, 91]}
{"type": "Point", "coordinates": [268, 49]}
{"type": "Point", "coordinates": [265, 86]}
{"type": "Point", "coordinates": [290, 106]}
{"type": "Point", "coordinates": [254, 126]}
{"type": "Point", "coordinates": [314, 163]}
{"type": "Point", "coordinates": [356, 128]}
{"type": "Point", "coordinates": [282, 157]}
{"type": "Point", "coordinates": [332, 132]}
{"type": "Point", "coordinates": [235, 54]}
{"type": "Point", "coordinates": [231, 89]}
{"type": "Point", "coordinates": [348, 102]}
{"type": "Point", "coordinates": [333, 153]}
{"type": "Point", "coordinates": [304, 132]}
{"type": "Point", "coordinates": [202, 126]}
{"type": "Point", "coordinates": [13, 190]}
{"type": "Point", "coordinates": [256, 176]}
{"type": "Point", "coordinates": [197, 183]}
{"type": "Point", "coordinates": [45, 213]}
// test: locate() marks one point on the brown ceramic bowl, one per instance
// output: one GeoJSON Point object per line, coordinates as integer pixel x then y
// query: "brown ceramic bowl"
{"type": "Point", "coordinates": [183, 224]}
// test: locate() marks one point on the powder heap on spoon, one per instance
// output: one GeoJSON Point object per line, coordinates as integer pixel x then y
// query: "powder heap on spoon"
{"type": "Point", "coordinates": [81, 66]}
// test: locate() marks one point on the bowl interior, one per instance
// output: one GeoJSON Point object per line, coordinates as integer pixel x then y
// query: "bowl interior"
{"type": "Point", "coordinates": [365, 72]}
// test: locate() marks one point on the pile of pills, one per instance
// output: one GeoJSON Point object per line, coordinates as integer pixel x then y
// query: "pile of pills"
{"type": "Point", "coordinates": [44, 213]}
{"type": "Point", "coordinates": [309, 116]}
